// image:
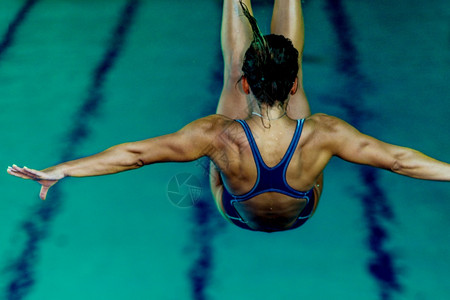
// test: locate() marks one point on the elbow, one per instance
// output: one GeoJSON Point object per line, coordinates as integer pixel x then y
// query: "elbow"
{"type": "Point", "coordinates": [136, 160]}
{"type": "Point", "coordinates": [403, 163]}
{"type": "Point", "coordinates": [139, 163]}
{"type": "Point", "coordinates": [131, 157]}
{"type": "Point", "coordinates": [396, 166]}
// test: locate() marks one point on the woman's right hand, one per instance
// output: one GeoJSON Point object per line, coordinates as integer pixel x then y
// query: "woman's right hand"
{"type": "Point", "coordinates": [47, 178]}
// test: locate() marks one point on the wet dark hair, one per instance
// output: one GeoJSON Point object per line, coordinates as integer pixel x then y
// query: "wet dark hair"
{"type": "Point", "coordinates": [270, 64]}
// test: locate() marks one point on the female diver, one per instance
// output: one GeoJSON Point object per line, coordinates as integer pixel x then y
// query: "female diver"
{"type": "Point", "coordinates": [267, 151]}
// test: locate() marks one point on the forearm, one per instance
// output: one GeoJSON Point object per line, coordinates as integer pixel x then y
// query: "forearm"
{"type": "Point", "coordinates": [348, 143]}
{"type": "Point", "coordinates": [113, 160]}
{"type": "Point", "coordinates": [415, 164]}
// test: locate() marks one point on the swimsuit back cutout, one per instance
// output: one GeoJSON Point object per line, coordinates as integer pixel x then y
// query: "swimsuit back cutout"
{"type": "Point", "coordinates": [269, 179]}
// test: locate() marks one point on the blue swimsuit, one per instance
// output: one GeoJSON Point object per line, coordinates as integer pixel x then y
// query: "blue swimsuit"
{"type": "Point", "coordinates": [269, 180]}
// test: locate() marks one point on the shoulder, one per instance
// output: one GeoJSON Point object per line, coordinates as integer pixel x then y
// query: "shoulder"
{"type": "Point", "coordinates": [326, 124]}
{"type": "Point", "coordinates": [225, 131]}
{"type": "Point", "coordinates": [214, 121]}
{"type": "Point", "coordinates": [215, 131]}
{"type": "Point", "coordinates": [323, 121]}
{"type": "Point", "coordinates": [319, 125]}
{"type": "Point", "coordinates": [329, 131]}
{"type": "Point", "coordinates": [209, 125]}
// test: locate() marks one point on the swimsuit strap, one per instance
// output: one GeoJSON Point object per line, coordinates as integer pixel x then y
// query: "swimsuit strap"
{"type": "Point", "coordinates": [255, 150]}
{"type": "Point", "coordinates": [295, 139]}
{"type": "Point", "coordinates": [269, 180]}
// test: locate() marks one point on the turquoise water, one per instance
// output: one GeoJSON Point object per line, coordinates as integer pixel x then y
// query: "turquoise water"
{"type": "Point", "coordinates": [382, 66]}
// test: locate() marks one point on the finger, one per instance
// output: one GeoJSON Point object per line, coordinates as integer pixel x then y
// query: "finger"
{"type": "Point", "coordinates": [17, 174]}
{"type": "Point", "coordinates": [43, 193]}
{"type": "Point", "coordinates": [17, 169]}
{"type": "Point", "coordinates": [24, 170]}
{"type": "Point", "coordinates": [10, 170]}
{"type": "Point", "coordinates": [31, 173]}
{"type": "Point", "coordinates": [23, 175]}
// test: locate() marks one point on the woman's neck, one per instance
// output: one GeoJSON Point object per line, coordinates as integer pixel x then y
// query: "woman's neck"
{"type": "Point", "coordinates": [269, 112]}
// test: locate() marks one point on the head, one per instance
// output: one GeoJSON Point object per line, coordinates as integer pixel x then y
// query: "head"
{"type": "Point", "coordinates": [270, 66]}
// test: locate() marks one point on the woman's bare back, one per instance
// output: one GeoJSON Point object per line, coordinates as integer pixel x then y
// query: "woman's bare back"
{"type": "Point", "coordinates": [270, 209]}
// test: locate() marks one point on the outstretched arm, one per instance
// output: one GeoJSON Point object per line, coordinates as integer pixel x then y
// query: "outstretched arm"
{"type": "Point", "coordinates": [187, 144]}
{"type": "Point", "coordinates": [348, 143]}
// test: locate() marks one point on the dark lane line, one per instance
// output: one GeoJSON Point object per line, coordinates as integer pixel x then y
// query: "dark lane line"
{"type": "Point", "coordinates": [36, 226]}
{"type": "Point", "coordinates": [206, 221]}
{"type": "Point", "coordinates": [9, 36]}
{"type": "Point", "coordinates": [376, 208]}
{"type": "Point", "coordinates": [90, 106]}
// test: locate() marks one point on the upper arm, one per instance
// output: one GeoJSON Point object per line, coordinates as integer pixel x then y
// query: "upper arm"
{"type": "Point", "coordinates": [189, 143]}
{"type": "Point", "coordinates": [348, 143]}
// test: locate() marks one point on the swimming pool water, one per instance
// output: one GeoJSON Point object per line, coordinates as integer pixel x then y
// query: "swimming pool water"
{"type": "Point", "coordinates": [79, 76]}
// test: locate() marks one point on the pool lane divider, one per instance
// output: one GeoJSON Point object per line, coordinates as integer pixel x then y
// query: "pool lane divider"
{"type": "Point", "coordinates": [36, 225]}
{"type": "Point", "coordinates": [377, 211]}
{"type": "Point", "coordinates": [8, 38]}
{"type": "Point", "coordinates": [206, 221]}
